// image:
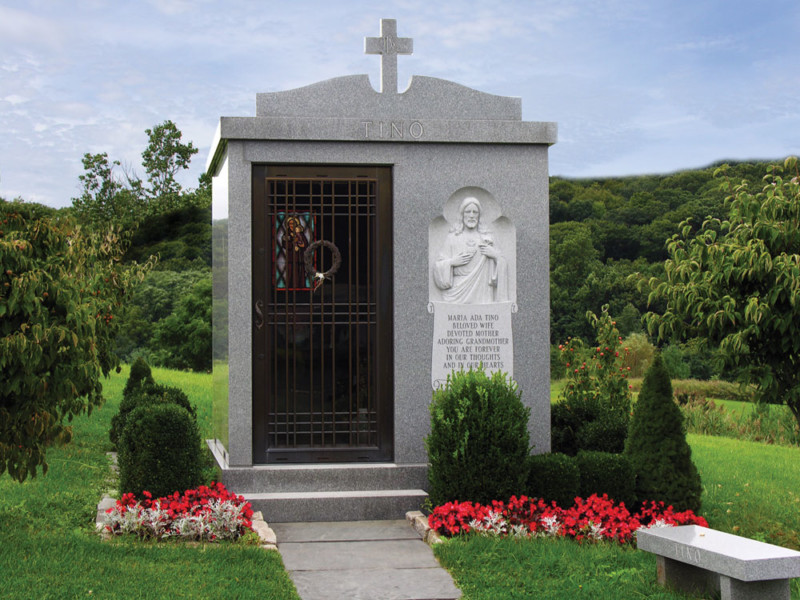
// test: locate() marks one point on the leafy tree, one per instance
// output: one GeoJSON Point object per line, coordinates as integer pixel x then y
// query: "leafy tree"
{"type": "Point", "coordinates": [629, 320]}
{"type": "Point", "coordinates": [151, 303]}
{"type": "Point", "coordinates": [181, 238]}
{"type": "Point", "coordinates": [641, 209]}
{"type": "Point", "coordinates": [617, 240]}
{"type": "Point", "coordinates": [693, 181]}
{"type": "Point", "coordinates": [677, 368]}
{"type": "Point", "coordinates": [737, 283]}
{"type": "Point", "coordinates": [60, 290]}
{"type": "Point", "coordinates": [639, 353]}
{"type": "Point", "coordinates": [602, 197]}
{"type": "Point", "coordinates": [163, 158]}
{"type": "Point", "coordinates": [653, 238]}
{"type": "Point", "coordinates": [123, 200]}
{"type": "Point", "coordinates": [562, 190]}
{"type": "Point", "coordinates": [657, 447]}
{"type": "Point", "coordinates": [183, 338]}
{"type": "Point", "coordinates": [106, 197]}
{"type": "Point", "coordinates": [572, 259]}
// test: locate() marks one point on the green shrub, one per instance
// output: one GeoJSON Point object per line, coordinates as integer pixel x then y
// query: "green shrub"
{"type": "Point", "coordinates": [146, 395]}
{"type": "Point", "coordinates": [657, 447]}
{"type": "Point", "coordinates": [140, 376]}
{"type": "Point", "coordinates": [159, 451]}
{"type": "Point", "coordinates": [606, 433]}
{"type": "Point", "coordinates": [478, 444]}
{"type": "Point", "coordinates": [586, 423]}
{"type": "Point", "coordinates": [565, 421]}
{"type": "Point", "coordinates": [553, 477]}
{"type": "Point", "coordinates": [606, 473]}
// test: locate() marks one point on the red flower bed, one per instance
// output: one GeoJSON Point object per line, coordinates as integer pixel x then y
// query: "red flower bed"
{"type": "Point", "coordinates": [207, 512]}
{"type": "Point", "coordinates": [594, 518]}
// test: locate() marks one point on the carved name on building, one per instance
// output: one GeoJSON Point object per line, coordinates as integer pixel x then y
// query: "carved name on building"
{"type": "Point", "coordinates": [392, 130]}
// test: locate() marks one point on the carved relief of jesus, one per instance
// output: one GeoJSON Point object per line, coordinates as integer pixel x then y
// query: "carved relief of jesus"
{"type": "Point", "coordinates": [470, 269]}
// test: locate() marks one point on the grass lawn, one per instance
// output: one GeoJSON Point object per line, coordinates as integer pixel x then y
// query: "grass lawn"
{"type": "Point", "coordinates": [495, 569]}
{"type": "Point", "coordinates": [48, 548]}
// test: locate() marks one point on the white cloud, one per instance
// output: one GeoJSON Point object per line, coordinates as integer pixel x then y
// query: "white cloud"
{"type": "Point", "coordinates": [23, 27]}
{"type": "Point", "coordinates": [705, 44]}
{"type": "Point", "coordinates": [14, 99]}
{"type": "Point", "coordinates": [173, 7]}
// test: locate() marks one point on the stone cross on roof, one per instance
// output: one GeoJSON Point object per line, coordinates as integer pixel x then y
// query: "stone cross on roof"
{"type": "Point", "coordinates": [388, 46]}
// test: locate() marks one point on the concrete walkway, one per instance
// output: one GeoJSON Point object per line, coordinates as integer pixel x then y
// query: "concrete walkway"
{"type": "Point", "coordinates": [362, 560]}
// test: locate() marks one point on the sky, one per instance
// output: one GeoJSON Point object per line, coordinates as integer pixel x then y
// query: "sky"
{"type": "Point", "coordinates": [636, 86]}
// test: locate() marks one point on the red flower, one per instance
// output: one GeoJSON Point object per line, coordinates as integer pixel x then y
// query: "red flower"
{"type": "Point", "coordinates": [596, 517]}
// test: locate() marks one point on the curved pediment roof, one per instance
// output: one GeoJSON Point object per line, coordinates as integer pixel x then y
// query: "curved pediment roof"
{"type": "Point", "coordinates": [354, 97]}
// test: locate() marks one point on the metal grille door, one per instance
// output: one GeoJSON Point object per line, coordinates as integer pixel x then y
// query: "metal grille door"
{"type": "Point", "coordinates": [325, 370]}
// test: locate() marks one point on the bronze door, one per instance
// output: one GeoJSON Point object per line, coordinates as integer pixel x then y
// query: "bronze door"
{"type": "Point", "coordinates": [322, 349]}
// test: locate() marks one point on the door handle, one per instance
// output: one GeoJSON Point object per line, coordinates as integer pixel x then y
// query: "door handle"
{"type": "Point", "coordinates": [259, 308]}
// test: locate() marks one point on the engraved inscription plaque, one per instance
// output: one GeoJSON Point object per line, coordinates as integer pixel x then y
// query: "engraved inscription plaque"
{"type": "Point", "coordinates": [472, 256]}
{"type": "Point", "coordinates": [471, 336]}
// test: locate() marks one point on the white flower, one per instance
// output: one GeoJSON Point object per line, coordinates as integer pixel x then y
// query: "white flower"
{"type": "Point", "coordinates": [551, 526]}
{"type": "Point", "coordinates": [658, 523]}
{"type": "Point", "coordinates": [595, 530]}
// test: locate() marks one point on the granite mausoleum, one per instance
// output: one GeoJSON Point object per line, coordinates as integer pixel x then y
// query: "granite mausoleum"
{"type": "Point", "coordinates": [431, 206]}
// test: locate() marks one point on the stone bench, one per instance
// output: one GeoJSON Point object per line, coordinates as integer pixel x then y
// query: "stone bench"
{"type": "Point", "coordinates": [698, 559]}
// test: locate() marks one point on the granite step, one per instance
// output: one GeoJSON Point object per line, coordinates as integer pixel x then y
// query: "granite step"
{"type": "Point", "coordinates": [325, 477]}
{"type": "Point", "coordinates": [340, 505]}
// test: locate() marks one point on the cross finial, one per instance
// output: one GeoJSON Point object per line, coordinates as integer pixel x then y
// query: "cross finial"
{"type": "Point", "coordinates": [388, 46]}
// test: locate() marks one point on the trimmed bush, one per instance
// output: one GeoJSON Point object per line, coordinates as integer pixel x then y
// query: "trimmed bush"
{"type": "Point", "coordinates": [566, 419]}
{"type": "Point", "coordinates": [553, 477]}
{"type": "Point", "coordinates": [140, 376]}
{"type": "Point", "coordinates": [146, 395]}
{"type": "Point", "coordinates": [159, 451]}
{"type": "Point", "coordinates": [478, 445]}
{"type": "Point", "coordinates": [587, 423]}
{"type": "Point", "coordinates": [607, 473]}
{"type": "Point", "coordinates": [606, 433]}
{"type": "Point", "coordinates": [657, 447]}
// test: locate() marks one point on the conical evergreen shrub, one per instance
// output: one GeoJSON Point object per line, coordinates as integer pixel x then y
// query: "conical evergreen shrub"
{"type": "Point", "coordinates": [657, 447]}
{"type": "Point", "coordinates": [140, 376]}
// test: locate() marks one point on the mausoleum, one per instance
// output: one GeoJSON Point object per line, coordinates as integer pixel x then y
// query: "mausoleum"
{"type": "Point", "coordinates": [366, 243]}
